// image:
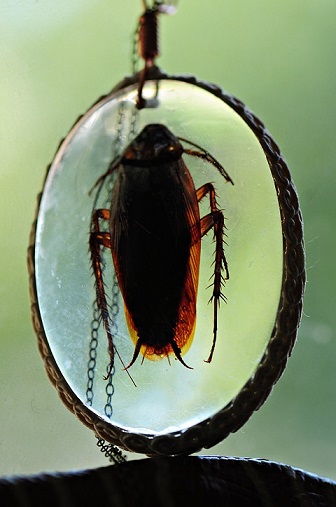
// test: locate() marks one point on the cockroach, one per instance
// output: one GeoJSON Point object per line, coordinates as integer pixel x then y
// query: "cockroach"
{"type": "Point", "coordinates": [154, 234]}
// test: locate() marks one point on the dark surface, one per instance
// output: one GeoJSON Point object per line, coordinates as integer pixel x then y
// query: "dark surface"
{"type": "Point", "coordinates": [192, 480]}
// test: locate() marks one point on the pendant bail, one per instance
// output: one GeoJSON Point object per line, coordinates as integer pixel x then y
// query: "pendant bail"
{"type": "Point", "coordinates": [148, 40]}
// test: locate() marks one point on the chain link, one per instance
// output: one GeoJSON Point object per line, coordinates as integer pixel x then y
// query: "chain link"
{"type": "Point", "coordinates": [118, 144]}
{"type": "Point", "coordinates": [112, 452]}
{"type": "Point", "coordinates": [92, 362]}
{"type": "Point", "coordinates": [114, 311]}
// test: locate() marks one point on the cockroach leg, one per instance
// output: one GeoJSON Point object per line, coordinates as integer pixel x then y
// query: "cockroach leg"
{"type": "Point", "coordinates": [99, 239]}
{"type": "Point", "coordinates": [215, 220]}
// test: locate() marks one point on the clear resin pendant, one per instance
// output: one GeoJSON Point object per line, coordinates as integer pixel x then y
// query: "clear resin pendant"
{"type": "Point", "coordinates": [167, 402]}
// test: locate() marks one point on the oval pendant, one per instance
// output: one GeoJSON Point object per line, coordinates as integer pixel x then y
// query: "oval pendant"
{"type": "Point", "coordinates": [166, 283]}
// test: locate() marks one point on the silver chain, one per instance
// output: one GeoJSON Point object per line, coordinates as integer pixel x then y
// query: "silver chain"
{"type": "Point", "coordinates": [112, 452]}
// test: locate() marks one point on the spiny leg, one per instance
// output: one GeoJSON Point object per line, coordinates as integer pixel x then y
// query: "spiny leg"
{"type": "Point", "coordinates": [97, 240]}
{"type": "Point", "coordinates": [215, 220]}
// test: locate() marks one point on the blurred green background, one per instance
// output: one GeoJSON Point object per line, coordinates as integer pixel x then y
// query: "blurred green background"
{"type": "Point", "coordinates": [56, 59]}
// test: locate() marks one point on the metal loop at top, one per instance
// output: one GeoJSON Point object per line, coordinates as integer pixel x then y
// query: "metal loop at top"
{"type": "Point", "coordinates": [148, 41]}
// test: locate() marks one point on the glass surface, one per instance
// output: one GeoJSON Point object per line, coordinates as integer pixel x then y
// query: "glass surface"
{"type": "Point", "coordinates": [168, 397]}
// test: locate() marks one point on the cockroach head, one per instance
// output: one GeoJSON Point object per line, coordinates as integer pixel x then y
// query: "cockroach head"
{"type": "Point", "coordinates": [154, 145]}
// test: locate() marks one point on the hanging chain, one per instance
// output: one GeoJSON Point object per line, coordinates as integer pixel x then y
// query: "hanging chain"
{"type": "Point", "coordinates": [126, 128]}
{"type": "Point", "coordinates": [112, 452]}
{"type": "Point", "coordinates": [114, 311]}
{"type": "Point", "coordinates": [118, 144]}
{"type": "Point", "coordinates": [114, 307]}
{"type": "Point", "coordinates": [145, 44]}
{"type": "Point", "coordinates": [91, 366]}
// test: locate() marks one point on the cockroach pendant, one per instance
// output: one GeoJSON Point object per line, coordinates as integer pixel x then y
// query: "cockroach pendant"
{"type": "Point", "coordinates": [154, 235]}
{"type": "Point", "coordinates": [163, 189]}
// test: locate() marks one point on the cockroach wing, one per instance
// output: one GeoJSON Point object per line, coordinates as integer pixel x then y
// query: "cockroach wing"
{"type": "Point", "coordinates": [186, 324]}
{"type": "Point", "coordinates": [155, 243]}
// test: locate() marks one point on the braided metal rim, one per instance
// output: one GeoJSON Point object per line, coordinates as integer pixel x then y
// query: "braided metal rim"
{"type": "Point", "coordinates": [234, 415]}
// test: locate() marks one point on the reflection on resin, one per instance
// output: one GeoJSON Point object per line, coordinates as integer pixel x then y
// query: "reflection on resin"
{"type": "Point", "coordinates": [168, 396]}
